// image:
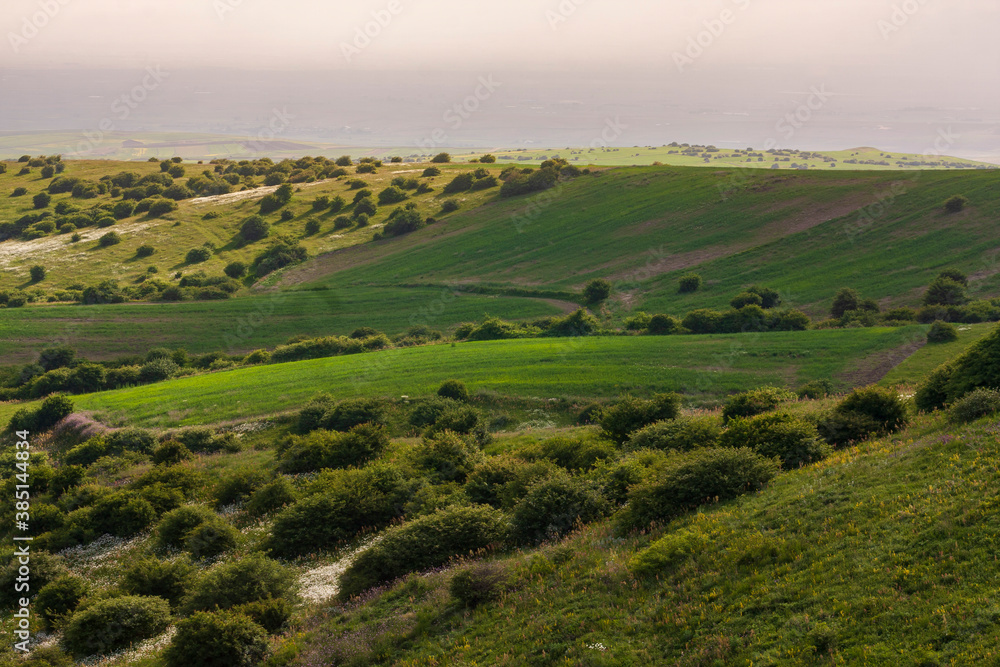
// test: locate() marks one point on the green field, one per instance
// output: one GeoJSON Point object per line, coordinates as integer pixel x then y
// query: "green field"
{"type": "Point", "coordinates": [244, 324]}
{"type": "Point", "coordinates": [704, 368]}
{"type": "Point", "coordinates": [642, 228]}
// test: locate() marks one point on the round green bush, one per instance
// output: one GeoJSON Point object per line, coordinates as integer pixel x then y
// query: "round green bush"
{"type": "Point", "coordinates": [352, 412]}
{"type": "Point", "coordinates": [238, 486]}
{"type": "Point", "coordinates": [501, 481]}
{"type": "Point", "coordinates": [272, 614]}
{"type": "Point", "coordinates": [145, 250]}
{"type": "Point", "coordinates": [696, 478]}
{"type": "Point", "coordinates": [478, 584]}
{"type": "Point", "coordinates": [755, 402]}
{"type": "Point", "coordinates": [572, 453]}
{"type": "Point", "coordinates": [157, 370]}
{"type": "Point", "coordinates": [555, 505]}
{"type": "Point", "coordinates": [345, 504]}
{"type": "Point", "coordinates": [689, 283]}
{"type": "Point", "coordinates": [109, 239]}
{"type": "Point", "coordinates": [794, 441]}
{"type": "Point", "coordinates": [211, 538]}
{"type": "Point", "coordinates": [222, 639]}
{"type": "Point", "coordinates": [271, 497]}
{"type": "Point", "coordinates": [616, 477]}
{"type": "Point", "coordinates": [682, 434]}
{"type": "Point", "coordinates": [631, 414]}
{"type": "Point", "coordinates": [977, 404]}
{"type": "Point", "coordinates": [427, 411]}
{"type": "Point", "coordinates": [942, 332]}
{"type": "Point", "coordinates": [663, 325]}
{"type": "Point", "coordinates": [45, 568]}
{"type": "Point", "coordinates": [423, 543]}
{"type": "Point", "coordinates": [255, 228]}
{"type": "Point", "coordinates": [59, 598]}
{"type": "Point", "coordinates": [171, 452]}
{"type": "Point", "coordinates": [884, 406]}
{"type": "Point", "coordinates": [326, 449]}
{"type": "Point", "coordinates": [198, 255]}
{"type": "Point", "coordinates": [453, 389]}
{"type": "Point", "coordinates": [815, 390]}
{"type": "Point", "coordinates": [115, 623]}
{"type": "Point", "coordinates": [235, 270]}
{"type": "Point", "coordinates": [238, 582]}
{"type": "Point", "coordinates": [448, 456]}
{"type": "Point", "coordinates": [461, 419]}
{"type": "Point", "coordinates": [668, 553]}
{"type": "Point", "coordinates": [167, 579]}
{"type": "Point", "coordinates": [52, 410]}
{"type": "Point", "coordinates": [122, 514]}
{"type": "Point", "coordinates": [131, 440]}
{"type": "Point", "coordinates": [175, 525]}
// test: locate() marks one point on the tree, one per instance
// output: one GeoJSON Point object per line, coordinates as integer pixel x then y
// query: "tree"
{"type": "Point", "coordinates": [945, 292]}
{"type": "Point", "coordinates": [344, 161]}
{"type": "Point", "coordinates": [255, 228]}
{"type": "Point", "coordinates": [769, 297]}
{"type": "Point", "coordinates": [596, 291]}
{"type": "Point", "coordinates": [37, 273]}
{"type": "Point", "coordinates": [235, 270]}
{"type": "Point", "coordinates": [955, 275]}
{"type": "Point", "coordinates": [847, 299]}
{"type": "Point", "coordinates": [109, 239]}
{"type": "Point", "coordinates": [441, 158]}
{"type": "Point", "coordinates": [746, 299]}
{"type": "Point", "coordinates": [42, 199]}
{"type": "Point", "coordinates": [488, 159]}
{"type": "Point", "coordinates": [956, 204]}
{"type": "Point", "coordinates": [365, 206]}
{"type": "Point", "coordinates": [48, 171]}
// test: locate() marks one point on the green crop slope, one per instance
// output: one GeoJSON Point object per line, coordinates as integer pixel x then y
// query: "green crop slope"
{"type": "Point", "coordinates": [702, 367]}
{"type": "Point", "coordinates": [881, 555]}
{"type": "Point", "coordinates": [800, 233]}
{"type": "Point", "coordinates": [244, 324]}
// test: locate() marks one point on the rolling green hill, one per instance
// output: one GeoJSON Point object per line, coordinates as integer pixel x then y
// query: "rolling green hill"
{"type": "Point", "coordinates": [704, 368]}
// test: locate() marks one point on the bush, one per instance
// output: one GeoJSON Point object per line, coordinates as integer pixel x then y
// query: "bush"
{"type": "Point", "coordinates": [933, 393]}
{"type": "Point", "coordinates": [815, 390]}
{"type": "Point", "coordinates": [976, 404]}
{"type": "Point", "coordinates": [239, 486]}
{"type": "Point", "coordinates": [450, 206]}
{"type": "Point", "coordinates": [255, 228]}
{"type": "Point", "coordinates": [346, 503]}
{"type": "Point", "coordinates": [222, 639]}
{"type": "Point", "coordinates": [37, 273]}
{"type": "Point", "coordinates": [956, 204]}
{"type": "Point", "coordinates": [145, 250]}
{"type": "Point", "coordinates": [555, 505]}
{"type": "Point", "coordinates": [441, 158]}
{"type": "Point", "coordinates": [791, 439]}
{"type": "Point", "coordinates": [235, 270]}
{"type": "Point", "coordinates": [572, 453]}
{"type": "Point", "coordinates": [596, 291]}
{"type": "Point", "coordinates": [352, 412]}
{"type": "Point", "coordinates": [945, 292]}
{"type": "Point", "coordinates": [689, 283]}
{"type": "Point", "coordinates": [161, 207]}
{"type": "Point", "coordinates": [167, 579]}
{"type": "Point", "coordinates": [663, 325]}
{"type": "Point", "coordinates": [430, 172]}
{"type": "Point", "coordinates": [198, 255]}
{"type": "Point", "coordinates": [272, 614]}
{"type": "Point", "coordinates": [59, 598]}
{"type": "Point", "coordinates": [171, 452]}
{"type": "Point", "coordinates": [866, 412]}
{"type": "Point", "coordinates": [122, 514]}
{"type": "Point", "coordinates": [453, 389]}
{"type": "Point", "coordinates": [682, 434]}
{"type": "Point", "coordinates": [423, 543]}
{"type": "Point", "coordinates": [109, 239]}
{"type": "Point", "coordinates": [689, 480]}
{"type": "Point", "coordinates": [478, 584]}
{"type": "Point", "coordinates": [175, 525]}
{"type": "Point", "coordinates": [755, 402]}
{"type": "Point", "coordinates": [845, 301]}
{"type": "Point", "coordinates": [157, 370]}
{"type": "Point", "coordinates": [630, 414]}
{"type": "Point", "coordinates": [391, 195]}
{"type": "Point", "coordinates": [237, 582]}
{"type": "Point", "coordinates": [115, 623]}
{"type": "Point", "coordinates": [312, 227]}
{"type": "Point", "coordinates": [942, 332]}
{"type": "Point", "coordinates": [271, 497]}
{"type": "Point", "coordinates": [324, 449]}
{"type": "Point", "coordinates": [52, 410]}
{"type": "Point", "coordinates": [211, 538]}
{"type": "Point", "coordinates": [448, 456]}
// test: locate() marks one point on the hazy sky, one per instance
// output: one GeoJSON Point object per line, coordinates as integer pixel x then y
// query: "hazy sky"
{"type": "Point", "coordinates": [937, 38]}
{"type": "Point", "coordinates": [894, 72]}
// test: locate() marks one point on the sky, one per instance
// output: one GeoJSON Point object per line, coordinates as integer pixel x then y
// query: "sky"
{"type": "Point", "coordinates": [737, 56]}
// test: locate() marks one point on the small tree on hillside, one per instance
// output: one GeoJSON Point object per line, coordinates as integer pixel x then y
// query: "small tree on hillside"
{"type": "Point", "coordinates": [945, 292]}
{"type": "Point", "coordinates": [37, 273]}
{"type": "Point", "coordinates": [596, 291]}
{"type": "Point", "coordinates": [956, 204]}
{"type": "Point", "coordinates": [847, 299]}
{"type": "Point", "coordinates": [441, 158]}
{"type": "Point", "coordinates": [690, 283]}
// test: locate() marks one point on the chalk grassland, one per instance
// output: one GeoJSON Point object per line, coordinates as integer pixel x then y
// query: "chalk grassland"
{"type": "Point", "coordinates": [173, 235]}
{"type": "Point", "coordinates": [704, 368]}
{"type": "Point", "coordinates": [804, 234]}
